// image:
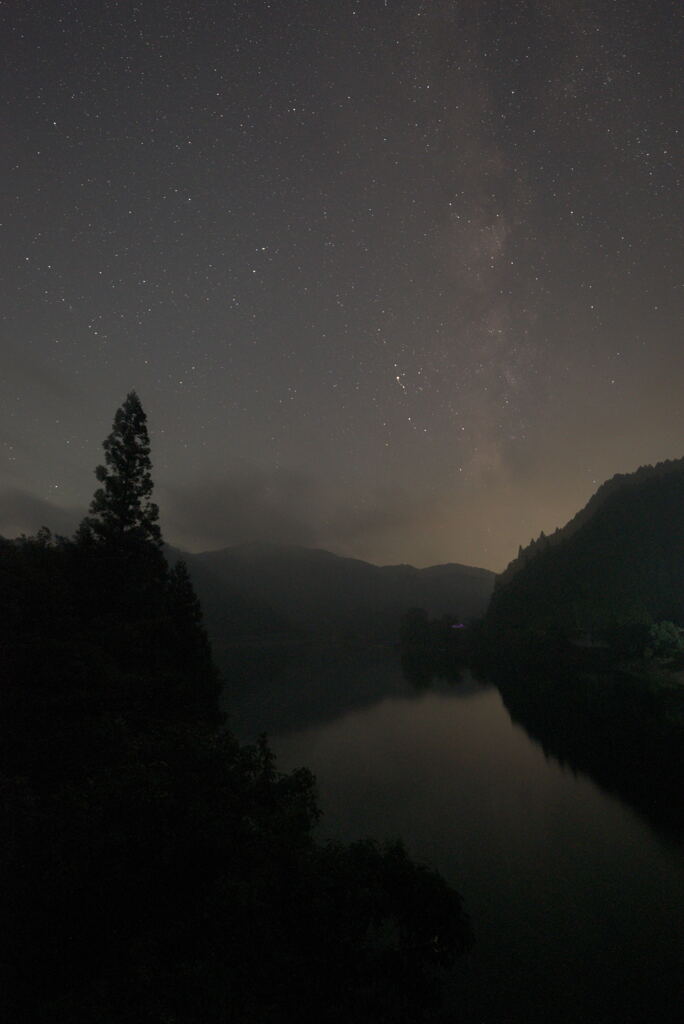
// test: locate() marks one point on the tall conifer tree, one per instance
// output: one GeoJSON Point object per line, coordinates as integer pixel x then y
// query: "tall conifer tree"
{"type": "Point", "coordinates": [122, 507]}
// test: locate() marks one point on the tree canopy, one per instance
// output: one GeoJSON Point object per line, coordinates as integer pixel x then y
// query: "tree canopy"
{"type": "Point", "coordinates": [153, 868]}
{"type": "Point", "coordinates": [123, 506]}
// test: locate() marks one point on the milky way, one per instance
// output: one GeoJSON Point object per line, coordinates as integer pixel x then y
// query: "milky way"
{"type": "Point", "coordinates": [400, 279]}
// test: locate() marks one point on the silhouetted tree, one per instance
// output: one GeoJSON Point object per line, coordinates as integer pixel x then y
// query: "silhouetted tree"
{"type": "Point", "coordinates": [666, 641]}
{"type": "Point", "coordinates": [152, 868]}
{"type": "Point", "coordinates": [122, 506]}
{"type": "Point", "coordinates": [188, 643]}
{"type": "Point", "coordinates": [414, 629]}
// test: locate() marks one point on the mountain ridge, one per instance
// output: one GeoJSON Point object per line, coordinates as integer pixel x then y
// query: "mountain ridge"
{"type": "Point", "coordinates": [314, 592]}
{"type": "Point", "coordinates": [267, 547]}
{"type": "Point", "coordinates": [619, 560]}
{"type": "Point", "coordinates": [601, 494]}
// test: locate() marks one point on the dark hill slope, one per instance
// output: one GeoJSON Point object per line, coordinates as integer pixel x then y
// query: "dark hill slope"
{"type": "Point", "coordinates": [153, 869]}
{"type": "Point", "coordinates": [229, 613]}
{"type": "Point", "coordinates": [320, 594]}
{"type": "Point", "coordinates": [618, 483]}
{"type": "Point", "coordinates": [623, 563]}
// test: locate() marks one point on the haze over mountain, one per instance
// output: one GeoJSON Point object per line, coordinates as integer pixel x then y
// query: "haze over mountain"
{"type": "Point", "coordinates": [619, 560]}
{"type": "Point", "coordinates": [267, 589]}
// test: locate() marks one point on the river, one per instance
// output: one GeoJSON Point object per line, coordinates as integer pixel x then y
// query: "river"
{"type": "Point", "coordinates": [577, 902]}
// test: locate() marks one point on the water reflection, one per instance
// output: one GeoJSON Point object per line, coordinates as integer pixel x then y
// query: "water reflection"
{"type": "Point", "coordinates": [578, 906]}
{"type": "Point", "coordinates": [276, 689]}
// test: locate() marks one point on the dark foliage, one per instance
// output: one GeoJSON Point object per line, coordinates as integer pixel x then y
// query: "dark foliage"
{"type": "Point", "coordinates": [628, 736]}
{"type": "Point", "coordinates": [622, 565]}
{"type": "Point", "coordinates": [621, 482]}
{"type": "Point", "coordinates": [304, 593]}
{"type": "Point", "coordinates": [433, 648]}
{"type": "Point", "coordinates": [152, 869]}
{"type": "Point", "coordinates": [122, 506]}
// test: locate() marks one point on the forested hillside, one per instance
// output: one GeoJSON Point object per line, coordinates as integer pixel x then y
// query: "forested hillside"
{"type": "Point", "coordinates": [619, 561]}
{"type": "Point", "coordinates": [314, 593]}
{"type": "Point", "coordinates": [152, 869]}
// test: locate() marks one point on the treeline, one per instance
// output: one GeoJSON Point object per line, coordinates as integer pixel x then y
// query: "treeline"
{"type": "Point", "coordinates": [623, 566]}
{"type": "Point", "coordinates": [585, 642]}
{"type": "Point", "coordinates": [152, 869]}
{"type": "Point", "coordinates": [619, 482]}
{"type": "Point", "coordinates": [626, 734]}
{"type": "Point", "coordinates": [432, 648]}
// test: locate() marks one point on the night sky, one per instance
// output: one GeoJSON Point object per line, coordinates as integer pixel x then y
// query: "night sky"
{"type": "Point", "coordinates": [400, 279]}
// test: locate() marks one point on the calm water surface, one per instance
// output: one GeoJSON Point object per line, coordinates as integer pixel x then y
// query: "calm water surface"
{"type": "Point", "coordinates": [577, 903]}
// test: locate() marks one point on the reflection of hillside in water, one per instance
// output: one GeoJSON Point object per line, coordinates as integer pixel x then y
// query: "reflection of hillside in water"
{"type": "Point", "coordinates": [618, 741]}
{"type": "Point", "coordinates": [603, 724]}
{"type": "Point", "coordinates": [276, 689]}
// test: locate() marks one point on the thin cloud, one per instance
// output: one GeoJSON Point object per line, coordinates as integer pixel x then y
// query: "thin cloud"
{"type": "Point", "coordinates": [21, 512]}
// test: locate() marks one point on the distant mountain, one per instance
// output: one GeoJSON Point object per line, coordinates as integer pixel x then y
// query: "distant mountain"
{"type": "Point", "coordinates": [230, 613]}
{"type": "Point", "coordinates": [615, 484]}
{"type": "Point", "coordinates": [619, 560]}
{"type": "Point", "coordinates": [265, 590]}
